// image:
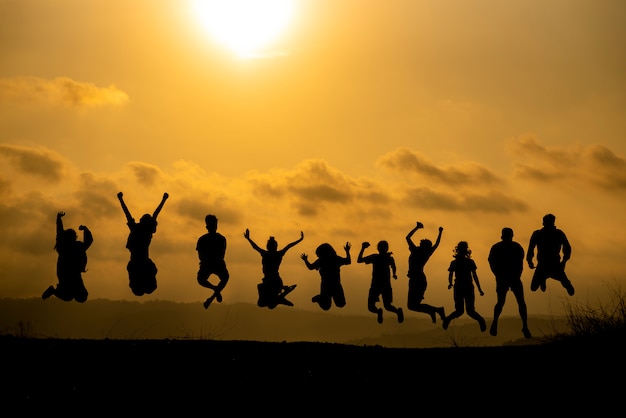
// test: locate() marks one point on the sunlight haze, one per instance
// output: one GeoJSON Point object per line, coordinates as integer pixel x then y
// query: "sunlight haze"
{"type": "Point", "coordinates": [352, 121]}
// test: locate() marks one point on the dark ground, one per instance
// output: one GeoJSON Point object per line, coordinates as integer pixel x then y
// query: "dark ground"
{"type": "Point", "coordinates": [207, 377]}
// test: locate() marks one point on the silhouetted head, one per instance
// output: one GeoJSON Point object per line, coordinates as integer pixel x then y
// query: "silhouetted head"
{"type": "Point", "coordinates": [211, 223]}
{"type": "Point", "coordinates": [507, 234]}
{"type": "Point", "coordinates": [325, 250]}
{"type": "Point", "coordinates": [426, 243]}
{"type": "Point", "coordinates": [549, 220]}
{"type": "Point", "coordinates": [383, 247]}
{"type": "Point", "coordinates": [148, 222]}
{"type": "Point", "coordinates": [272, 245]}
{"type": "Point", "coordinates": [69, 235]}
{"type": "Point", "coordinates": [462, 250]}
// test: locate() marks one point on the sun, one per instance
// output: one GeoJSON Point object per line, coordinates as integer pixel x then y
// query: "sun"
{"type": "Point", "coordinates": [244, 26]}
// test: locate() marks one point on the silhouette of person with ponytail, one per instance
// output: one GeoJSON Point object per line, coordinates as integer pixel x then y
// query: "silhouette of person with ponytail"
{"type": "Point", "coordinates": [272, 291]}
{"type": "Point", "coordinates": [329, 264]}
{"type": "Point", "coordinates": [418, 257]}
{"type": "Point", "coordinates": [141, 269]}
{"type": "Point", "coordinates": [71, 263]}
{"type": "Point", "coordinates": [463, 268]}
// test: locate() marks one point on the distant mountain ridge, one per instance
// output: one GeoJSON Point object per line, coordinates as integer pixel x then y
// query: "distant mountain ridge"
{"type": "Point", "coordinates": [109, 319]}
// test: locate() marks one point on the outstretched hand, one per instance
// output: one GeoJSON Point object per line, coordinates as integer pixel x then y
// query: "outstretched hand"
{"type": "Point", "coordinates": [60, 214]}
{"type": "Point", "coordinates": [304, 257]}
{"type": "Point", "coordinates": [365, 244]}
{"type": "Point", "coordinates": [441, 229]}
{"type": "Point", "coordinates": [120, 195]}
{"type": "Point", "coordinates": [82, 227]}
{"type": "Point", "coordinates": [247, 234]}
{"type": "Point", "coordinates": [347, 246]}
{"type": "Point", "coordinates": [165, 196]}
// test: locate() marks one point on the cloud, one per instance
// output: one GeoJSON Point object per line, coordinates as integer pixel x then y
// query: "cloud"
{"type": "Point", "coordinates": [491, 201]}
{"type": "Point", "coordinates": [404, 160]}
{"type": "Point", "coordinates": [60, 91]}
{"type": "Point", "coordinates": [146, 174]}
{"type": "Point", "coordinates": [313, 185]}
{"type": "Point", "coordinates": [593, 164]}
{"type": "Point", "coordinates": [38, 162]}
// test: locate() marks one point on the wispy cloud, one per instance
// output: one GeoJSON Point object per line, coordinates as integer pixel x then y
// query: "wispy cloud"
{"type": "Point", "coordinates": [594, 164]}
{"type": "Point", "coordinates": [404, 160]}
{"type": "Point", "coordinates": [39, 162]}
{"type": "Point", "coordinates": [60, 91]}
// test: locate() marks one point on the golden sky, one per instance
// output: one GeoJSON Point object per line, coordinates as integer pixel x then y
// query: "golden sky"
{"type": "Point", "coordinates": [361, 118]}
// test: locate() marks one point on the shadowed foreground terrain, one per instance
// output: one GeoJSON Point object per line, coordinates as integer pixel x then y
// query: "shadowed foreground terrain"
{"type": "Point", "coordinates": [304, 379]}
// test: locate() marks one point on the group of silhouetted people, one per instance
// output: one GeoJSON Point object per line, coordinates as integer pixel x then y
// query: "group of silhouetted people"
{"type": "Point", "coordinates": [506, 259]}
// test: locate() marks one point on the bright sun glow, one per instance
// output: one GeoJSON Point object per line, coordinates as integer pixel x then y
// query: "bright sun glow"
{"type": "Point", "coordinates": [244, 26]}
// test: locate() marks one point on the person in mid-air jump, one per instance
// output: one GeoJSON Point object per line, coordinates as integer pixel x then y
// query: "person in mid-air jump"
{"type": "Point", "coordinates": [211, 248]}
{"type": "Point", "coordinates": [272, 291]}
{"type": "Point", "coordinates": [328, 264]}
{"type": "Point", "coordinates": [463, 268]}
{"type": "Point", "coordinates": [383, 266]}
{"type": "Point", "coordinates": [71, 263]}
{"type": "Point", "coordinates": [418, 257]}
{"type": "Point", "coordinates": [550, 243]}
{"type": "Point", "coordinates": [141, 269]}
{"type": "Point", "coordinates": [506, 260]}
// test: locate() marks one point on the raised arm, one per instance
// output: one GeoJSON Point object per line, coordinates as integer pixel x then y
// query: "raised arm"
{"type": "Point", "coordinates": [129, 217]}
{"type": "Point", "coordinates": [364, 245]}
{"type": "Point", "coordinates": [291, 244]}
{"type": "Point", "coordinates": [347, 249]}
{"type": "Point", "coordinates": [438, 240]}
{"type": "Point", "coordinates": [307, 263]}
{"type": "Point", "coordinates": [418, 225]}
{"type": "Point", "coordinates": [158, 209]}
{"type": "Point", "coordinates": [60, 223]}
{"type": "Point", "coordinates": [252, 243]}
{"type": "Point", "coordinates": [87, 236]}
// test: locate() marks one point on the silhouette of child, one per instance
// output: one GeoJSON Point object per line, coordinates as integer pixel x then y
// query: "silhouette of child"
{"type": "Point", "coordinates": [383, 264]}
{"type": "Point", "coordinates": [71, 263]}
{"type": "Point", "coordinates": [328, 264]}
{"type": "Point", "coordinates": [141, 269]}
{"type": "Point", "coordinates": [418, 257]}
{"type": "Point", "coordinates": [463, 268]}
{"type": "Point", "coordinates": [211, 248]}
{"type": "Point", "coordinates": [272, 291]}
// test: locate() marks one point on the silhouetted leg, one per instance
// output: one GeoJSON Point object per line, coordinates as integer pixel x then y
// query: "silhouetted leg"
{"type": "Point", "coordinates": [372, 299]}
{"type": "Point", "coordinates": [48, 292]}
{"type": "Point", "coordinates": [459, 306]}
{"type": "Point", "coordinates": [497, 310]}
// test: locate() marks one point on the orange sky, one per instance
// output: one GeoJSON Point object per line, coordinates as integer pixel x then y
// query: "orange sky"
{"type": "Point", "coordinates": [361, 119]}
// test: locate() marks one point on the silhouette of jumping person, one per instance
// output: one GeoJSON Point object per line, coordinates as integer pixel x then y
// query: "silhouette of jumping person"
{"type": "Point", "coordinates": [272, 291]}
{"type": "Point", "coordinates": [550, 243]}
{"type": "Point", "coordinates": [141, 269]}
{"type": "Point", "coordinates": [418, 258]}
{"type": "Point", "coordinates": [463, 268]}
{"type": "Point", "coordinates": [211, 248]}
{"type": "Point", "coordinates": [329, 264]}
{"type": "Point", "coordinates": [71, 263]}
{"type": "Point", "coordinates": [383, 266]}
{"type": "Point", "coordinates": [506, 260]}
